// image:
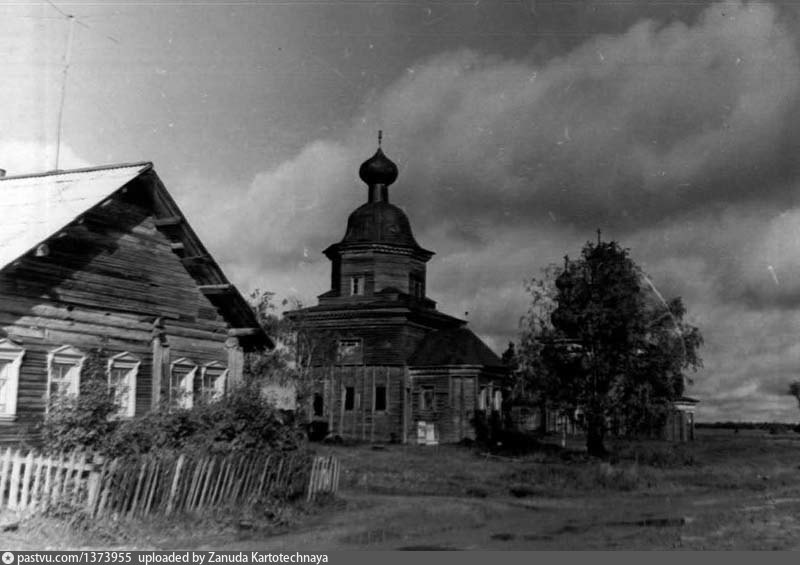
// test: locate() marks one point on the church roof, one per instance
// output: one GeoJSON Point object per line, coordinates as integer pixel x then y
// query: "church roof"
{"type": "Point", "coordinates": [457, 346]}
{"type": "Point", "coordinates": [378, 222]}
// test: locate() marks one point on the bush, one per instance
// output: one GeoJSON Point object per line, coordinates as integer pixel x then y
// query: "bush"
{"type": "Point", "coordinates": [242, 420]}
{"type": "Point", "coordinates": [85, 421]}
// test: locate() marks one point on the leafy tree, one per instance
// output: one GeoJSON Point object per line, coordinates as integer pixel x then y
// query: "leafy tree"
{"type": "Point", "coordinates": [298, 348]}
{"type": "Point", "coordinates": [611, 347]}
{"type": "Point", "coordinates": [794, 390]}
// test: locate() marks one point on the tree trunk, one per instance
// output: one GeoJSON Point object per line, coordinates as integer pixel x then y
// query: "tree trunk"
{"type": "Point", "coordinates": [595, 431]}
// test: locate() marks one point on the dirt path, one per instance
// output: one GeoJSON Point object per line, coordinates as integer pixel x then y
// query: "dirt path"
{"type": "Point", "coordinates": [382, 522]}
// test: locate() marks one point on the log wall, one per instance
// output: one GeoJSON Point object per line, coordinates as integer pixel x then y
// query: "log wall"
{"type": "Point", "coordinates": [103, 283]}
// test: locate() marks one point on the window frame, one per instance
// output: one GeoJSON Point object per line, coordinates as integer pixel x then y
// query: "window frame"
{"type": "Point", "coordinates": [123, 361]}
{"type": "Point", "coordinates": [425, 405]}
{"type": "Point", "coordinates": [416, 286]}
{"type": "Point", "coordinates": [375, 397]}
{"type": "Point", "coordinates": [350, 394]}
{"type": "Point", "coordinates": [63, 356]}
{"type": "Point", "coordinates": [354, 358]}
{"type": "Point", "coordinates": [186, 384]}
{"type": "Point", "coordinates": [321, 412]}
{"type": "Point", "coordinates": [220, 381]}
{"type": "Point", "coordinates": [483, 398]}
{"type": "Point", "coordinates": [11, 355]}
{"type": "Point", "coordinates": [357, 284]}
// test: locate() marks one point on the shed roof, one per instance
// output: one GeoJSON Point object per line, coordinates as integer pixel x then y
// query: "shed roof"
{"type": "Point", "coordinates": [37, 207]}
{"type": "Point", "coordinates": [456, 346]}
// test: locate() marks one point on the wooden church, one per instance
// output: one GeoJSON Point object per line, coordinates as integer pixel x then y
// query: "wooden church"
{"type": "Point", "coordinates": [391, 367]}
{"type": "Point", "coordinates": [102, 259]}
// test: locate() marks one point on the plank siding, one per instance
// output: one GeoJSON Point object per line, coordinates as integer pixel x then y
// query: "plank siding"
{"type": "Point", "coordinates": [364, 422]}
{"type": "Point", "coordinates": [103, 284]}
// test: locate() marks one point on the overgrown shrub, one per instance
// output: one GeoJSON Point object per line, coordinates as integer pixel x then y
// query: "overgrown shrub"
{"type": "Point", "coordinates": [84, 421]}
{"type": "Point", "coordinates": [242, 420]}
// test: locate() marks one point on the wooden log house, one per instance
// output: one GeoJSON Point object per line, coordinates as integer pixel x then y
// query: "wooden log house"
{"type": "Point", "coordinates": [103, 259]}
{"type": "Point", "coordinates": [390, 365]}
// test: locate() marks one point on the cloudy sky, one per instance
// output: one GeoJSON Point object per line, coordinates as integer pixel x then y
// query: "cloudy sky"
{"type": "Point", "coordinates": [519, 127]}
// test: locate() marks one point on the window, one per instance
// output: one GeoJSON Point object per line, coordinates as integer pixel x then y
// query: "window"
{"type": "Point", "coordinates": [213, 381]}
{"type": "Point", "coordinates": [416, 287]}
{"type": "Point", "coordinates": [63, 372]}
{"type": "Point", "coordinates": [10, 362]}
{"type": "Point", "coordinates": [483, 398]}
{"type": "Point", "coordinates": [426, 398]}
{"type": "Point", "coordinates": [122, 371]}
{"type": "Point", "coordinates": [349, 352]}
{"type": "Point", "coordinates": [181, 382]}
{"type": "Point", "coordinates": [380, 398]}
{"type": "Point", "coordinates": [349, 398]}
{"type": "Point", "coordinates": [319, 404]}
{"type": "Point", "coordinates": [357, 285]}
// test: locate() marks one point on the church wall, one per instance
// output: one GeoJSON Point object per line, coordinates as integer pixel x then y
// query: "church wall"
{"type": "Point", "coordinates": [381, 270]}
{"type": "Point", "coordinates": [359, 417]}
{"type": "Point", "coordinates": [382, 343]}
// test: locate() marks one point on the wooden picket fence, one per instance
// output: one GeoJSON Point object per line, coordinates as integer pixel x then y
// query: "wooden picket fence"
{"type": "Point", "coordinates": [35, 482]}
{"type": "Point", "coordinates": [145, 485]}
{"type": "Point", "coordinates": [324, 477]}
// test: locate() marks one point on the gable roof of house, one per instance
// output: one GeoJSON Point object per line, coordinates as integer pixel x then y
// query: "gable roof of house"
{"type": "Point", "coordinates": [37, 207]}
{"type": "Point", "coordinates": [457, 346]}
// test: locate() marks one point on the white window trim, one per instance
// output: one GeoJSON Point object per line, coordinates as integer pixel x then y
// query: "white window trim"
{"type": "Point", "coordinates": [354, 343]}
{"type": "Point", "coordinates": [13, 353]}
{"type": "Point", "coordinates": [130, 362]}
{"type": "Point", "coordinates": [220, 383]}
{"type": "Point", "coordinates": [65, 355]}
{"type": "Point", "coordinates": [186, 385]}
{"type": "Point", "coordinates": [483, 398]}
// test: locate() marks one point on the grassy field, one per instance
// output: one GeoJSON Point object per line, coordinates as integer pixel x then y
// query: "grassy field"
{"type": "Point", "coordinates": [723, 491]}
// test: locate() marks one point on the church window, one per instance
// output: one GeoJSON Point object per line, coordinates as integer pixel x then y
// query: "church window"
{"type": "Point", "coordinates": [349, 398]}
{"type": "Point", "coordinates": [357, 285]}
{"type": "Point", "coordinates": [349, 352]}
{"type": "Point", "coordinates": [319, 404]}
{"type": "Point", "coordinates": [483, 398]}
{"type": "Point", "coordinates": [426, 398]}
{"type": "Point", "coordinates": [416, 287]}
{"type": "Point", "coordinates": [380, 398]}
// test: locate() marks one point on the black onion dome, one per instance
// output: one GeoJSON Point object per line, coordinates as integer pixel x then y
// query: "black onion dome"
{"type": "Point", "coordinates": [378, 169]}
{"type": "Point", "coordinates": [379, 222]}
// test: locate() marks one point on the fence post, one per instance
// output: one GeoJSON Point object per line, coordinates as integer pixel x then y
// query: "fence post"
{"type": "Point", "coordinates": [26, 480]}
{"type": "Point", "coordinates": [93, 484]}
{"type": "Point", "coordinates": [173, 490]}
{"type": "Point", "coordinates": [4, 470]}
{"type": "Point", "coordinates": [13, 491]}
{"type": "Point", "coordinates": [106, 477]}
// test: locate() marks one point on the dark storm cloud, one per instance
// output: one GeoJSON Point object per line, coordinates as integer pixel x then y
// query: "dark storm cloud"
{"type": "Point", "coordinates": [676, 137]}
{"type": "Point", "coordinates": [623, 131]}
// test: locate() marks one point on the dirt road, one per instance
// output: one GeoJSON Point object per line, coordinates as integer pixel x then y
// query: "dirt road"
{"type": "Point", "coordinates": [381, 522]}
